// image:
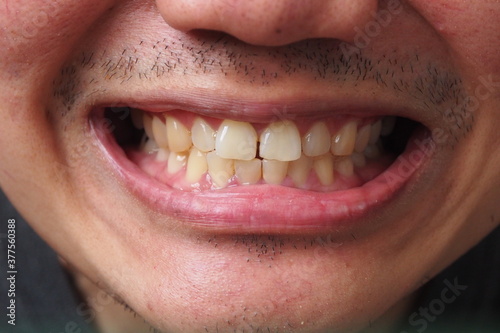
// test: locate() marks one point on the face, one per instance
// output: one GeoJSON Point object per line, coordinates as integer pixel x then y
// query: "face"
{"type": "Point", "coordinates": [292, 166]}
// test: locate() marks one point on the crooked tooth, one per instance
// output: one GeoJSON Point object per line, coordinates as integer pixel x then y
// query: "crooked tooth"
{"type": "Point", "coordinates": [159, 132]}
{"type": "Point", "coordinates": [280, 141]}
{"type": "Point", "coordinates": [248, 172]}
{"type": "Point", "coordinates": [178, 136]}
{"type": "Point", "coordinates": [362, 138]}
{"type": "Point", "coordinates": [236, 140]}
{"type": "Point", "coordinates": [375, 132]}
{"type": "Point", "coordinates": [197, 165]}
{"type": "Point", "coordinates": [358, 159]}
{"type": "Point", "coordinates": [324, 169]}
{"type": "Point", "coordinates": [202, 135]}
{"type": "Point", "coordinates": [316, 141]}
{"type": "Point", "coordinates": [344, 166]}
{"type": "Point", "coordinates": [220, 169]}
{"type": "Point", "coordinates": [388, 124]}
{"type": "Point", "coordinates": [148, 125]}
{"type": "Point", "coordinates": [176, 161]}
{"type": "Point", "coordinates": [274, 172]}
{"type": "Point", "coordinates": [299, 170]}
{"type": "Point", "coordinates": [344, 140]}
{"type": "Point", "coordinates": [136, 116]}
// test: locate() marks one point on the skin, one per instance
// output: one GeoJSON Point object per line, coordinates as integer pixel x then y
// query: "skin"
{"type": "Point", "coordinates": [183, 279]}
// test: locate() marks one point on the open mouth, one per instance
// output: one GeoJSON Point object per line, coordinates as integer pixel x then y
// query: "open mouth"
{"type": "Point", "coordinates": [259, 176]}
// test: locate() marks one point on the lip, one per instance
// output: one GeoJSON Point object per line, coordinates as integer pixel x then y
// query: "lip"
{"type": "Point", "coordinates": [261, 208]}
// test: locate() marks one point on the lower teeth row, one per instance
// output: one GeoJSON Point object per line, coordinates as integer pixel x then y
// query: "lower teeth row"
{"type": "Point", "coordinates": [199, 155]}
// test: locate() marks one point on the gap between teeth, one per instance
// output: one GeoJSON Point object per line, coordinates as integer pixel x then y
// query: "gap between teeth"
{"type": "Point", "coordinates": [235, 150]}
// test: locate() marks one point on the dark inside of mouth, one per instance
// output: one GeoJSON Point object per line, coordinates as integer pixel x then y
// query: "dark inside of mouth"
{"type": "Point", "coordinates": [126, 135]}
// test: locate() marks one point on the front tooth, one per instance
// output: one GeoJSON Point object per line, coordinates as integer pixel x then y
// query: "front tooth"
{"type": "Point", "coordinates": [280, 141]}
{"type": "Point", "coordinates": [236, 140]}
{"type": "Point", "coordinates": [343, 142]}
{"type": "Point", "coordinates": [362, 138]}
{"type": "Point", "coordinates": [324, 169]}
{"type": "Point", "coordinates": [148, 125]}
{"type": "Point", "coordinates": [196, 165]}
{"type": "Point", "coordinates": [316, 141]}
{"type": "Point", "coordinates": [274, 172]}
{"type": "Point", "coordinates": [202, 135]}
{"type": "Point", "coordinates": [388, 124]}
{"type": "Point", "coordinates": [176, 161]}
{"type": "Point", "coordinates": [136, 116]}
{"type": "Point", "coordinates": [299, 170]}
{"type": "Point", "coordinates": [159, 132]}
{"type": "Point", "coordinates": [179, 138]}
{"type": "Point", "coordinates": [375, 132]}
{"type": "Point", "coordinates": [220, 169]}
{"type": "Point", "coordinates": [248, 172]}
{"type": "Point", "coordinates": [344, 166]}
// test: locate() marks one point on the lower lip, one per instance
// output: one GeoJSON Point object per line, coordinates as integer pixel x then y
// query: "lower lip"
{"type": "Point", "coordinates": [264, 208]}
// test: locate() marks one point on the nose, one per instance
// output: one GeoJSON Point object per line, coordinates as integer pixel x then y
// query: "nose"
{"type": "Point", "coordinates": [271, 22]}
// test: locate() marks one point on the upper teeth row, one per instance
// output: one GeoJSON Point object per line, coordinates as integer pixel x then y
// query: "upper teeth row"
{"type": "Point", "coordinates": [280, 141]}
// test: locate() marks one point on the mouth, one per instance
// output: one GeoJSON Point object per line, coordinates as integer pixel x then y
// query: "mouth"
{"type": "Point", "coordinates": [271, 172]}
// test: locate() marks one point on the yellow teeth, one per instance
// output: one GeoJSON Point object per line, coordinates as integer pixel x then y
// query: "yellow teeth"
{"type": "Point", "coordinates": [343, 142]}
{"type": "Point", "coordinates": [280, 141]}
{"type": "Point", "coordinates": [196, 165]}
{"type": "Point", "coordinates": [202, 135]}
{"type": "Point", "coordinates": [299, 170]}
{"type": "Point", "coordinates": [323, 166]}
{"type": "Point", "coordinates": [248, 172]}
{"type": "Point", "coordinates": [274, 172]}
{"type": "Point", "coordinates": [236, 140]}
{"type": "Point", "coordinates": [179, 138]}
{"type": "Point", "coordinates": [221, 170]}
{"type": "Point", "coordinates": [235, 151]}
{"type": "Point", "coordinates": [316, 141]}
{"type": "Point", "coordinates": [362, 139]}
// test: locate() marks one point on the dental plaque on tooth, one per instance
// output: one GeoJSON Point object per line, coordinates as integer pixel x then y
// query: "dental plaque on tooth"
{"type": "Point", "coordinates": [195, 153]}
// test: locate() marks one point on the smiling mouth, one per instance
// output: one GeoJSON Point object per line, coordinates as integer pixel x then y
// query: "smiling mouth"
{"type": "Point", "coordinates": [283, 174]}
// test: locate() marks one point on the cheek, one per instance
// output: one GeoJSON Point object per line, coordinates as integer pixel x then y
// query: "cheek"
{"type": "Point", "coordinates": [471, 30]}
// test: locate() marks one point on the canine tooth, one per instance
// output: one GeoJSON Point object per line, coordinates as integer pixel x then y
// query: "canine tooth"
{"type": "Point", "coordinates": [148, 125]}
{"type": "Point", "coordinates": [176, 161]}
{"type": "Point", "coordinates": [362, 138]}
{"type": "Point", "coordinates": [344, 166]}
{"type": "Point", "coordinates": [136, 116]}
{"type": "Point", "coordinates": [159, 132]}
{"type": "Point", "coordinates": [375, 132]}
{"type": "Point", "coordinates": [248, 172]}
{"type": "Point", "coordinates": [202, 135]}
{"type": "Point", "coordinates": [196, 165]}
{"type": "Point", "coordinates": [372, 151]}
{"type": "Point", "coordinates": [358, 159]}
{"type": "Point", "coordinates": [162, 155]}
{"type": "Point", "coordinates": [316, 141]}
{"type": "Point", "coordinates": [280, 141]}
{"type": "Point", "coordinates": [299, 170]}
{"type": "Point", "coordinates": [179, 138]}
{"type": "Point", "coordinates": [324, 169]}
{"type": "Point", "coordinates": [220, 169]}
{"type": "Point", "coordinates": [274, 172]}
{"type": "Point", "coordinates": [236, 140]}
{"type": "Point", "coordinates": [344, 140]}
{"type": "Point", "coordinates": [388, 124]}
